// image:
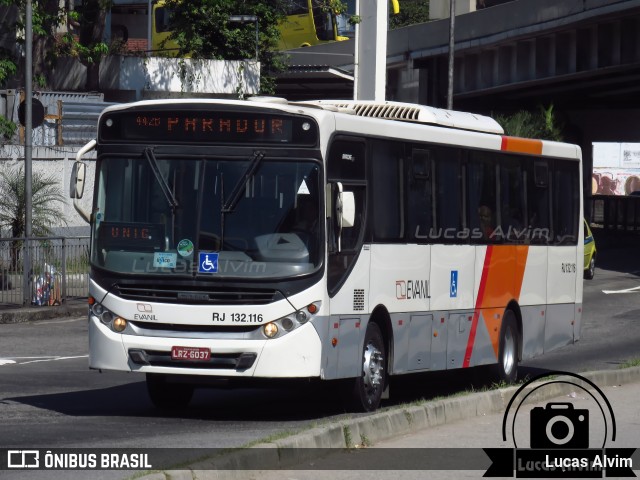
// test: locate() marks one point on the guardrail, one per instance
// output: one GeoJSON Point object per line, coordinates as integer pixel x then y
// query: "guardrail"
{"type": "Point", "coordinates": [616, 212]}
{"type": "Point", "coordinates": [59, 270]}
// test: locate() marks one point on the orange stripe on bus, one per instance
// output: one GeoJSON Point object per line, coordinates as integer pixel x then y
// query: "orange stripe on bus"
{"type": "Point", "coordinates": [476, 313]}
{"type": "Point", "coordinates": [521, 145]}
{"type": "Point", "coordinates": [501, 282]}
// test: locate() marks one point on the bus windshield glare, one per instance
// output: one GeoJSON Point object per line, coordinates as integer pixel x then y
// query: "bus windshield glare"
{"type": "Point", "coordinates": [250, 217]}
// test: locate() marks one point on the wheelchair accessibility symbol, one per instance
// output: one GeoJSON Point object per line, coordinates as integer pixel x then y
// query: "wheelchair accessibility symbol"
{"type": "Point", "coordinates": [207, 262]}
{"type": "Point", "coordinates": [453, 286]}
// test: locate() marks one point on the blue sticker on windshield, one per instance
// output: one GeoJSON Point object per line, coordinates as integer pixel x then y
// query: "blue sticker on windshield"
{"type": "Point", "coordinates": [207, 262]}
{"type": "Point", "coordinates": [164, 260]}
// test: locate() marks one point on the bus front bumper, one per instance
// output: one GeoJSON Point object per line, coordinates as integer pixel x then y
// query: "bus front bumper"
{"type": "Point", "coordinates": [294, 355]}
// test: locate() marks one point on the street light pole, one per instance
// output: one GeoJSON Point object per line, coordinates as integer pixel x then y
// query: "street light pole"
{"type": "Point", "coordinates": [28, 139]}
{"type": "Point", "coordinates": [452, 24]}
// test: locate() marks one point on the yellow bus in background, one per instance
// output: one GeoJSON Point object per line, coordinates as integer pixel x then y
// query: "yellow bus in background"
{"type": "Point", "coordinates": [161, 44]}
{"type": "Point", "coordinates": [307, 23]}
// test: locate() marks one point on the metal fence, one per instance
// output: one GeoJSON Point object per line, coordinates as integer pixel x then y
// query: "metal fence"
{"type": "Point", "coordinates": [59, 270]}
{"type": "Point", "coordinates": [616, 212]}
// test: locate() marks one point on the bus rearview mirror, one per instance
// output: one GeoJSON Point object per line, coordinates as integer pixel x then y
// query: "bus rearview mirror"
{"type": "Point", "coordinates": [77, 180]}
{"type": "Point", "coordinates": [348, 213]}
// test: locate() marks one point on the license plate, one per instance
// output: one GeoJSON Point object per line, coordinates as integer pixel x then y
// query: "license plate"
{"type": "Point", "coordinates": [192, 354]}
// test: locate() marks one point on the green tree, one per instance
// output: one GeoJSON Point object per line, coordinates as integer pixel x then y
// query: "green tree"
{"type": "Point", "coordinates": [542, 124]}
{"type": "Point", "coordinates": [90, 20]}
{"type": "Point", "coordinates": [47, 201]}
{"type": "Point", "coordinates": [202, 30]}
{"type": "Point", "coordinates": [48, 16]}
{"type": "Point", "coordinates": [411, 12]}
{"type": "Point", "coordinates": [8, 59]}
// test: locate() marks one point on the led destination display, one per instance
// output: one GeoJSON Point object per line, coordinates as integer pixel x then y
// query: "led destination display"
{"type": "Point", "coordinates": [206, 127]}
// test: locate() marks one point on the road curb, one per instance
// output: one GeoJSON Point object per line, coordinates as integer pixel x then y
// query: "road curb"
{"type": "Point", "coordinates": [24, 315]}
{"type": "Point", "coordinates": [299, 448]}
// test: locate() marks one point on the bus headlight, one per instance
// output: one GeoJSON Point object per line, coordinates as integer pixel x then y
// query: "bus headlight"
{"type": "Point", "coordinates": [119, 324]}
{"type": "Point", "coordinates": [97, 309]}
{"type": "Point", "coordinates": [270, 330]}
{"type": "Point", "coordinates": [108, 318]}
{"type": "Point", "coordinates": [287, 324]}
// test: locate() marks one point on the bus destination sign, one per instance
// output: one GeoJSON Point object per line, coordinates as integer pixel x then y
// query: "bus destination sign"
{"type": "Point", "coordinates": [206, 127]}
{"type": "Point", "coordinates": [132, 236]}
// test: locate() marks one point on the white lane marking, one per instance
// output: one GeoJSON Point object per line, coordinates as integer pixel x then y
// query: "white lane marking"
{"type": "Point", "coordinates": [65, 320]}
{"type": "Point", "coordinates": [12, 360]}
{"type": "Point", "coordinates": [626, 290]}
{"type": "Point", "coordinates": [54, 359]}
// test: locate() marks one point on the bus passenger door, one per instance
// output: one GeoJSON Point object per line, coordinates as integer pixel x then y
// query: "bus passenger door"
{"type": "Point", "coordinates": [348, 261]}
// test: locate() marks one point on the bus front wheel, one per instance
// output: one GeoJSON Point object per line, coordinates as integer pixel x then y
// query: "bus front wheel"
{"type": "Point", "coordinates": [507, 368]}
{"type": "Point", "coordinates": [368, 387]}
{"type": "Point", "coordinates": [168, 396]}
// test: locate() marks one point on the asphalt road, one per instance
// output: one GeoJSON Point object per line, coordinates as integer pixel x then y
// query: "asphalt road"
{"type": "Point", "coordinates": [49, 398]}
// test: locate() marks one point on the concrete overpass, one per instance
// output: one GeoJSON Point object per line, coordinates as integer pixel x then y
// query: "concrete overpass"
{"type": "Point", "coordinates": [581, 55]}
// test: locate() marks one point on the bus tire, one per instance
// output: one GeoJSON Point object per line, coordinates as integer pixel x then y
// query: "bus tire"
{"type": "Point", "coordinates": [168, 396]}
{"type": "Point", "coordinates": [369, 386]}
{"type": "Point", "coordinates": [507, 368]}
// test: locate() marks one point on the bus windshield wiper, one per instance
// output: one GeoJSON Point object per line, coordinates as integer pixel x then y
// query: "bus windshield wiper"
{"type": "Point", "coordinates": [230, 204]}
{"type": "Point", "coordinates": [164, 186]}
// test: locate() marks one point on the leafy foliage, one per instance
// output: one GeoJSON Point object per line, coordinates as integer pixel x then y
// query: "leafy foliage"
{"type": "Point", "coordinates": [8, 67]}
{"type": "Point", "coordinates": [7, 129]}
{"type": "Point", "coordinates": [542, 124]}
{"type": "Point", "coordinates": [48, 16]}
{"type": "Point", "coordinates": [411, 12]}
{"type": "Point", "coordinates": [46, 202]}
{"type": "Point", "coordinates": [202, 29]}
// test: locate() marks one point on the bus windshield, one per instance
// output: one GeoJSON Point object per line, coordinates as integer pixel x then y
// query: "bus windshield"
{"type": "Point", "coordinates": [227, 217]}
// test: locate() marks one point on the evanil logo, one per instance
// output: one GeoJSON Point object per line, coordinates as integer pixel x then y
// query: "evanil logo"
{"type": "Point", "coordinates": [412, 289]}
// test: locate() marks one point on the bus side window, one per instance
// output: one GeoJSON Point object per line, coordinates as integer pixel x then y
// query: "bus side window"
{"type": "Point", "coordinates": [387, 188]}
{"type": "Point", "coordinates": [419, 192]}
{"type": "Point", "coordinates": [323, 23]}
{"type": "Point", "coordinates": [482, 206]}
{"type": "Point", "coordinates": [538, 204]}
{"type": "Point", "coordinates": [448, 196]}
{"type": "Point", "coordinates": [565, 202]}
{"type": "Point", "coordinates": [512, 206]}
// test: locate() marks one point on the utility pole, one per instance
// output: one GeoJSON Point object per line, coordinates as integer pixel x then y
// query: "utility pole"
{"type": "Point", "coordinates": [370, 62]}
{"type": "Point", "coordinates": [452, 25]}
{"type": "Point", "coordinates": [28, 148]}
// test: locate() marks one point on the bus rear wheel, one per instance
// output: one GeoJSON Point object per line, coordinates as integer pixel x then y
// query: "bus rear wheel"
{"type": "Point", "coordinates": [168, 396]}
{"type": "Point", "coordinates": [507, 368]}
{"type": "Point", "coordinates": [368, 387]}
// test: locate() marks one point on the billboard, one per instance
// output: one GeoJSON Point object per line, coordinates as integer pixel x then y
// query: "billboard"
{"type": "Point", "coordinates": [616, 169]}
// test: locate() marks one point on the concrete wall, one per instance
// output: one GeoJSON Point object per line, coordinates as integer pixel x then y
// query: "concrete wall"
{"type": "Point", "coordinates": [57, 163]}
{"type": "Point", "coordinates": [137, 78]}
{"type": "Point", "coordinates": [160, 77]}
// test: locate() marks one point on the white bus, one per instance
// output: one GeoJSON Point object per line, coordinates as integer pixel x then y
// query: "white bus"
{"type": "Point", "coordinates": [352, 241]}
